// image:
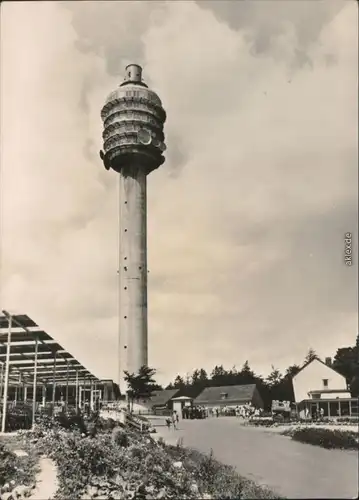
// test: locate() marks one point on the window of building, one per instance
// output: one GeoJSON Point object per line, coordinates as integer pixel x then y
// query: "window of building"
{"type": "Point", "coordinates": [325, 382]}
{"type": "Point", "coordinates": [316, 395]}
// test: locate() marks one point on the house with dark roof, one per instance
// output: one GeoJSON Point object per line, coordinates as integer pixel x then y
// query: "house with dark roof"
{"type": "Point", "coordinates": [229, 395]}
{"type": "Point", "coordinates": [319, 388]}
{"type": "Point", "coordinates": [162, 399]}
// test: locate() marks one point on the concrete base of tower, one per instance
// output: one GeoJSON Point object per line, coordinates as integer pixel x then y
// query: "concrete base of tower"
{"type": "Point", "coordinates": [133, 271]}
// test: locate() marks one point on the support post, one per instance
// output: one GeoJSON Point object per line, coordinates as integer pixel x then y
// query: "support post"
{"type": "Point", "coordinates": [17, 389]}
{"type": "Point", "coordinates": [1, 379]}
{"type": "Point", "coordinates": [54, 385]}
{"type": "Point", "coordinates": [350, 408]}
{"type": "Point", "coordinates": [339, 409]}
{"type": "Point", "coordinates": [67, 385]}
{"type": "Point", "coordinates": [328, 409]}
{"type": "Point", "coordinates": [34, 387]}
{"type": "Point", "coordinates": [7, 367]}
{"type": "Point", "coordinates": [25, 393]}
{"type": "Point", "coordinates": [44, 394]}
{"type": "Point", "coordinates": [77, 390]}
{"type": "Point", "coordinates": [91, 394]}
{"type": "Point", "coordinates": [83, 395]}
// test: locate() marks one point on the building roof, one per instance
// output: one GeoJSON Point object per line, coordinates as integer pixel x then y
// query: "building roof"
{"type": "Point", "coordinates": [161, 398]}
{"type": "Point", "coordinates": [327, 400]}
{"type": "Point", "coordinates": [182, 398]}
{"type": "Point", "coordinates": [234, 393]}
{"type": "Point", "coordinates": [25, 333]}
{"type": "Point", "coordinates": [328, 391]}
{"type": "Point", "coordinates": [320, 361]}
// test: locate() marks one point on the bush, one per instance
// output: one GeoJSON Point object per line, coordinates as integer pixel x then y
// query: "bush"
{"type": "Point", "coordinates": [120, 438]}
{"type": "Point", "coordinates": [262, 421]}
{"type": "Point", "coordinates": [15, 470]}
{"type": "Point", "coordinates": [18, 417]}
{"type": "Point", "coordinates": [348, 420]}
{"type": "Point", "coordinates": [326, 438]}
{"type": "Point", "coordinates": [8, 465]}
{"type": "Point", "coordinates": [126, 464]}
{"type": "Point", "coordinates": [219, 480]}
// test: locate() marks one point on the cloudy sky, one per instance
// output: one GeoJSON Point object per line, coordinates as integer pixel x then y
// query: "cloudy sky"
{"type": "Point", "coordinates": [246, 218]}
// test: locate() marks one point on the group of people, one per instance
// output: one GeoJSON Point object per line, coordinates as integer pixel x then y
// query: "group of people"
{"type": "Point", "coordinates": [243, 411]}
{"type": "Point", "coordinates": [194, 412]}
{"type": "Point", "coordinates": [200, 412]}
{"type": "Point", "coordinates": [315, 414]}
{"type": "Point", "coordinates": [247, 411]}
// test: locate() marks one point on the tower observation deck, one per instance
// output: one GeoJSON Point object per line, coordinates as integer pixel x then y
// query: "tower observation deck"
{"type": "Point", "coordinates": [133, 146]}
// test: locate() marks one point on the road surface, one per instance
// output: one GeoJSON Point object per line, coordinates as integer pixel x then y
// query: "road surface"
{"type": "Point", "coordinates": [292, 469]}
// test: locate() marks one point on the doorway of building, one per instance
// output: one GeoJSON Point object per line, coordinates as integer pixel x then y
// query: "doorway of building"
{"type": "Point", "coordinates": [89, 396]}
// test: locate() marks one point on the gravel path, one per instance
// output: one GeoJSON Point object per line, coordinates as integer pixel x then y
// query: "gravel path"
{"type": "Point", "coordinates": [293, 469]}
{"type": "Point", "coordinates": [46, 481]}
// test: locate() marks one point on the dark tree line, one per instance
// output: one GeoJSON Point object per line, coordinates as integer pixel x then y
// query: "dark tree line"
{"type": "Point", "coordinates": [346, 362]}
{"type": "Point", "coordinates": [277, 385]}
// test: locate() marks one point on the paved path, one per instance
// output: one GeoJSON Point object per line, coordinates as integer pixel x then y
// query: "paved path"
{"type": "Point", "coordinates": [292, 469]}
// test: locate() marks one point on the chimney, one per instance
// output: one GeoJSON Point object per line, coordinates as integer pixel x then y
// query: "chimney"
{"type": "Point", "coordinates": [328, 361]}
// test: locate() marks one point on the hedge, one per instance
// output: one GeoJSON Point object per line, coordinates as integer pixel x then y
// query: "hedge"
{"type": "Point", "coordinates": [326, 438]}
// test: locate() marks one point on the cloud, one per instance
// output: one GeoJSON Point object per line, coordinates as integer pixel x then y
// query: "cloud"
{"type": "Point", "coordinates": [246, 219]}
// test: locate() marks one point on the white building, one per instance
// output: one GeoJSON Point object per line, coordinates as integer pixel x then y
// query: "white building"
{"type": "Point", "coordinates": [318, 386]}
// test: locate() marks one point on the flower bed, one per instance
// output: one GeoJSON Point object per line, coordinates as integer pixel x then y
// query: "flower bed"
{"type": "Point", "coordinates": [261, 421]}
{"type": "Point", "coordinates": [270, 421]}
{"type": "Point", "coordinates": [326, 438]}
{"type": "Point", "coordinates": [17, 473]}
{"type": "Point", "coordinates": [219, 480]}
{"type": "Point", "coordinates": [117, 462]}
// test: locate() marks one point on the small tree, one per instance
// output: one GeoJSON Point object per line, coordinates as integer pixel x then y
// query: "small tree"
{"type": "Point", "coordinates": [274, 378]}
{"type": "Point", "coordinates": [291, 371]}
{"type": "Point", "coordinates": [141, 384]}
{"type": "Point", "coordinates": [311, 355]}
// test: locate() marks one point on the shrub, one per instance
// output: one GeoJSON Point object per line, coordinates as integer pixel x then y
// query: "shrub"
{"type": "Point", "coordinates": [16, 470]}
{"type": "Point", "coordinates": [120, 438]}
{"type": "Point", "coordinates": [126, 464]}
{"type": "Point", "coordinates": [219, 480]}
{"type": "Point", "coordinates": [8, 465]}
{"type": "Point", "coordinates": [262, 421]}
{"type": "Point", "coordinates": [18, 418]}
{"type": "Point", "coordinates": [325, 438]}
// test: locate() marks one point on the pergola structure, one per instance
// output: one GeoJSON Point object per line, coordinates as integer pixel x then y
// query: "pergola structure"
{"type": "Point", "coordinates": [30, 357]}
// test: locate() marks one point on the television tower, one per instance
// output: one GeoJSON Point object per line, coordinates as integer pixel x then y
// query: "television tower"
{"type": "Point", "coordinates": [133, 146]}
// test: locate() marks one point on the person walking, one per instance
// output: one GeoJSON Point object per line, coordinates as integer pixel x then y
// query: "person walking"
{"type": "Point", "coordinates": [174, 420]}
{"type": "Point", "coordinates": [177, 418]}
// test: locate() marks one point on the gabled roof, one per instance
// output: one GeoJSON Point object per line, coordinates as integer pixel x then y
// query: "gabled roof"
{"type": "Point", "coordinates": [161, 398]}
{"type": "Point", "coordinates": [320, 361]}
{"type": "Point", "coordinates": [233, 393]}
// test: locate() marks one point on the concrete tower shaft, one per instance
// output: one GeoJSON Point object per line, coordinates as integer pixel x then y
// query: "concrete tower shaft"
{"type": "Point", "coordinates": [133, 136]}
